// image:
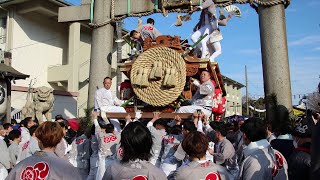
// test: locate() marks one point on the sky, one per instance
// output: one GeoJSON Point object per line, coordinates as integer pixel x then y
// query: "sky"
{"type": "Point", "coordinates": [241, 45]}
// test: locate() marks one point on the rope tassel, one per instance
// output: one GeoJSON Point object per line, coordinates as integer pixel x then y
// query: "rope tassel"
{"type": "Point", "coordinates": [153, 70]}
{"type": "Point", "coordinates": [137, 81]}
{"type": "Point", "coordinates": [144, 78]}
{"type": "Point", "coordinates": [158, 70]}
{"type": "Point", "coordinates": [166, 77]}
{"type": "Point", "coordinates": [172, 78]}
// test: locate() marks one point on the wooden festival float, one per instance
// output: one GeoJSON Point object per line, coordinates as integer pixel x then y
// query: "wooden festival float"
{"type": "Point", "coordinates": [161, 78]}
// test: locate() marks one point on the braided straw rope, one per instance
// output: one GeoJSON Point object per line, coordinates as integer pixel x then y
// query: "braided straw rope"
{"type": "Point", "coordinates": [251, 2]}
{"type": "Point", "coordinates": [155, 94]}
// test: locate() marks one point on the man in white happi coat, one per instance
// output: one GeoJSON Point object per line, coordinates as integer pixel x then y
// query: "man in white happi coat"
{"type": "Point", "coordinates": [106, 101]}
{"type": "Point", "coordinates": [5, 157]}
{"type": "Point", "coordinates": [261, 161]}
{"type": "Point", "coordinates": [203, 98]}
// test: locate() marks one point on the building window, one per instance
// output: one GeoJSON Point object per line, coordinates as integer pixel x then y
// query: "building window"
{"type": "Point", "coordinates": [3, 30]}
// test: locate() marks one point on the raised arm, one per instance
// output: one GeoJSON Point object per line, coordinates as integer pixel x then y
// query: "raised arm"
{"type": "Point", "coordinates": [156, 116]}
{"type": "Point", "coordinates": [224, 22]}
{"type": "Point", "coordinates": [98, 130]}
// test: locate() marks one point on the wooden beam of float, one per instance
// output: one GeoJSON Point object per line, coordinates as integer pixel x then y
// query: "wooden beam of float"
{"type": "Point", "coordinates": [82, 13]}
{"type": "Point", "coordinates": [149, 115]}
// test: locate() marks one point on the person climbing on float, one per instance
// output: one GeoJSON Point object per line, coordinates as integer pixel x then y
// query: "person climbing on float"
{"type": "Point", "coordinates": [209, 24]}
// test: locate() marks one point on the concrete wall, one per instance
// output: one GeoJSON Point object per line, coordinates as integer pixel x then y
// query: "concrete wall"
{"type": "Point", "coordinates": [38, 43]}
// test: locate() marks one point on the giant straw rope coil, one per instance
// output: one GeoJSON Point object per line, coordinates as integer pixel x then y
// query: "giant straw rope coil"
{"type": "Point", "coordinates": [155, 93]}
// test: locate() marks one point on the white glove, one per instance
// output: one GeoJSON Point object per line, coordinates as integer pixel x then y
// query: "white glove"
{"type": "Point", "coordinates": [138, 115]}
{"type": "Point", "coordinates": [211, 145]}
{"type": "Point", "coordinates": [196, 83]}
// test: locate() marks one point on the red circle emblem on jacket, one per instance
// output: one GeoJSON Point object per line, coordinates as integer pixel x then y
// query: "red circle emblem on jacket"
{"type": "Point", "coordinates": [140, 177]}
{"type": "Point", "coordinates": [213, 176]}
{"type": "Point", "coordinates": [39, 171]}
{"type": "Point", "coordinates": [278, 164]}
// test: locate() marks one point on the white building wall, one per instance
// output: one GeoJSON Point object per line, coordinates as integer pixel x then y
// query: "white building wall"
{"type": "Point", "coordinates": [38, 43]}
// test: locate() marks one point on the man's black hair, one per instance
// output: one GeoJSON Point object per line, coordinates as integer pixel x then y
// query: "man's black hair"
{"type": "Point", "coordinates": [13, 121]}
{"type": "Point", "coordinates": [109, 128]}
{"type": "Point", "coordinates": [254, 129]}
{"type": "Point", "coordinates": [64, 121]}
{"type": "Point", "coordinates": [160, 122]}
{"type": "Point", "coordinates": [189, 125]}
{"type": "Point", "coordinates": [26, 121]}
{"type": "Point", "coordinates": [33, 129]}
{"type": "Point", "coordinates": [205, 71]}
{"type": "Point", "coordinates": [133, 32]}
{"type": "Point", "coordinates": [107, 78]}
{"type": "Point", "coordinates": [150, 21]}
{"type": "Point", "coordinates": [63, 125]}
{"type": "Point", "coordinates": [14, 134]}
{"type": "Point", "coordinates": [219, 126]}
{"type": "Point", "coordinates": [175, 130]}
{"type": "Point", "coordinates": [6, 126]}
{"type": "Point", "coordinates": [58, 117]}
{"type": "Point", "coordinates": [136, 142]}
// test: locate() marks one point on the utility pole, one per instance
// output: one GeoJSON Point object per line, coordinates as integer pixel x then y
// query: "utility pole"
{"type": "Point", "coordinates": [101, 48]}
{"type": "Point", "coordinates": [247, 98]}
{"type": "Point", "coordinates": [275, 62]}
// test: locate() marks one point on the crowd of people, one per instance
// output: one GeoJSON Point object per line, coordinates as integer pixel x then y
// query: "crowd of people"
{"type": "Point", "coordinates": [136, 148]}
{"type": "Point", "coordinates": [157, 149]}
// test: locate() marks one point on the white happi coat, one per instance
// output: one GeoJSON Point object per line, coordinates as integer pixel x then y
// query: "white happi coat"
{"type": "Point", "coordinates": [263, 162]}
{"type": "Point", "coordinates": [62, 149]}
{"type": "Point", "coordinates": [134, 170]}
{"type": "Point", "coordinates": [28, 149]}
{"type": "Point", "coordinates": [44, 165]}
{"type": "Point", "coordinates": [4, 159]}
{"type": "Point", "coordinates": [168, 161]}
{"type": "Point", "coordinates": [13, 152]}
{"type": "Point", "coordinates": [148, 30]}
{"type": "Point", "coordinates": [25, 135]}
{"type": "Point", "coordinates": [157, 136]}
{"type": "Point", "coordinates": [107, 101]}
{"type": "Point", "coordinates": [79, 156]}
{"type": "Point", "coordinates": [94, 159]}
{"type": "Point", "coordinates": [202, 99]}
{"type": "Point", "coordinates": [201, 170]}
{"type": "Point", "coordinates": [107, 148]}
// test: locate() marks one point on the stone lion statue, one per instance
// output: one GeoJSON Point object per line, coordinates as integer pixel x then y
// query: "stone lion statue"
{"type": "Point", "coordinates": [41, 103]}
